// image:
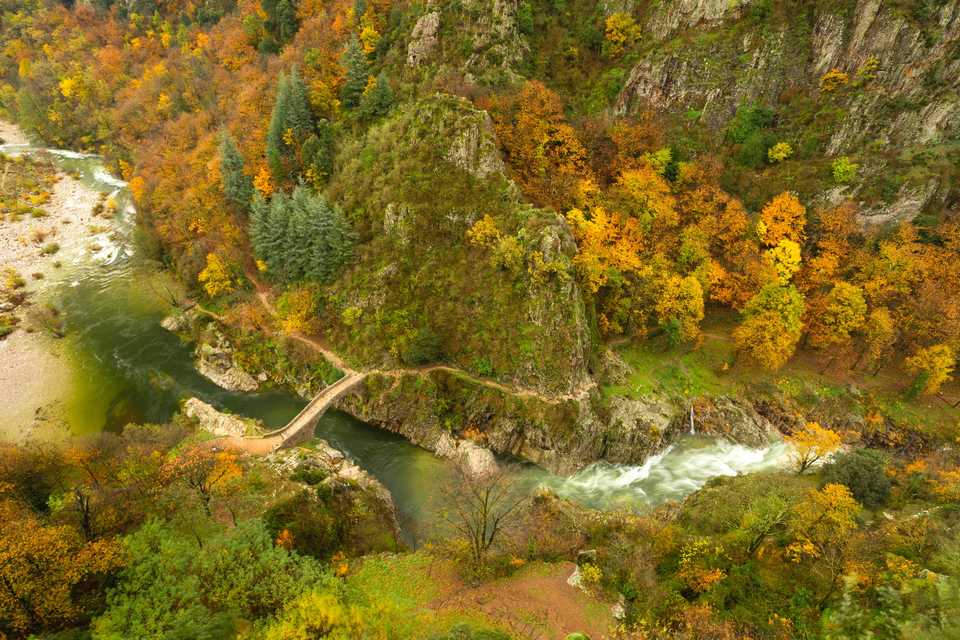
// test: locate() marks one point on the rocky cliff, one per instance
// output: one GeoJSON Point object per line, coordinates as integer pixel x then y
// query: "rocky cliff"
{"type": "Point", "coordinates": [419, 291]}
{"type": "Point", "coordinates": [895, 107]}
{"type": "Point", "coordinates": [561, 436]}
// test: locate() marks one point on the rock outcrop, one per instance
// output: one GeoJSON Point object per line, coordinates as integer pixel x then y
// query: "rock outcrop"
{"type": "Point", "coordinates": [436, 409]}
{"type": "Point", "coordinates": [219, 423]}
{"type": "Point", "coordinates": [492, 30]}
{"type": "Point", "coordinates": [421, 292]}
{"type": "Point", "coordinates": [903, 71]}
{"type": "Point", "coordinates": [476, 461]}
{"type": "Point", "coordinates": [324, 466]}
{"type": "Point", "coordinates": [215, 361]}
{"type": "Point", "coordinates": [423, 39]}
{"type": "Point", "coordinates": [734, 420]}
{"type": "Point", "coordinates": [669, 17]}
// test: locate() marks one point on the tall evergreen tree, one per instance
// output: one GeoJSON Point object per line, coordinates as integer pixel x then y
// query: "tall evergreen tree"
{"type": "Point", "coordinates": [378, 100]}
{"type": "Point", "coordinates": [318, 152]}
{"type": "Point", "coordinates": [300, 236]}
{"type": "Point", "coordinates": [355, 62]}
{"type": "Point", "coordinates": [290, 124]}
{"type": "Point", "coordinates": [237, 185]}
{"type": "Point", "coordinates": [281, 23]}
{"type": "Point", "coordinates": [267, 232]}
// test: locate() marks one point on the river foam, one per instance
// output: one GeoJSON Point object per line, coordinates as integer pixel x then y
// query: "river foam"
{"type": "Point", "coordinates": [675, 472]}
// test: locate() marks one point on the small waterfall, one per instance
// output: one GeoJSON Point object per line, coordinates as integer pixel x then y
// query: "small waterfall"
{"type": "Point", "coordinates": [693, 430]}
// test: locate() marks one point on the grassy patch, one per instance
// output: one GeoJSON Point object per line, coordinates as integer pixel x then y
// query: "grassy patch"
{"type": "Point", "coordinates": [26, 185]}
{"type": "Point", "coordinates": [836, 396]}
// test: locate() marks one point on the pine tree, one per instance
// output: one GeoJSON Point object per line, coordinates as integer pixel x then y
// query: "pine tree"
{"type": "Point", "coordinates": [300, 236]}
{"type": "Point", "coordinates": [267, 232]}
{"type": "Point", "coordinates": [237, 185]}
{"type": "Point", "coordinates": [318, 151]}
{"type": "Point", "coordinates": [281, 23]}
{"type": "Point", "coordinates": [290, 124]}
{"type": "Point", "coordinates": [378, 100]}
{"type": "Point", "coordinates": [355, 62]}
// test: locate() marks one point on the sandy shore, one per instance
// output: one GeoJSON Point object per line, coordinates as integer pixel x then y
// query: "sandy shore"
{"type": "Point", "coordinates": [11, 134]}
{"type": "Point", "coordinates": [34, 376]}
{"type": "Point", "coordinates": [70, 223]}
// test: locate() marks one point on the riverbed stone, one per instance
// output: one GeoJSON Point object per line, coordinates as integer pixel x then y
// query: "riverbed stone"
{"type": "Point", "coordinates": [476, 461]}
{"type": "Point", "coordinates": [733, 420]}
{"type": "Point", "coordinates": [215, 361]}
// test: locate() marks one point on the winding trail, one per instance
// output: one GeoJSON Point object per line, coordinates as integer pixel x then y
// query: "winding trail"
{"type": "Point", "coordinates": [317, 345]}
{"type": "Point", "coordinates": [299, 429]}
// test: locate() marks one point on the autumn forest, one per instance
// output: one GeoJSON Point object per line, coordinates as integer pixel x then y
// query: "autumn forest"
{"type": "Point", "coordinates": [636, 320]}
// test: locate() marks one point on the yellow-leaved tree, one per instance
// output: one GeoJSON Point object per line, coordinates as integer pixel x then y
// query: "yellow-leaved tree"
{"type": "Point", "coordinates": [822, 527]}
{"type": "Point", "coordinates": [606, 241]}
{"type": "Point", "coordinates": [680, 307]}
{"type": "Point", "coordinates": [811, 444]}
{"type": "Point", "coordinates": [843, 311]}
{"type": "Point", "coordinates": [773, 320]}
{"type": "Point", "coordinates": [216, 277]}
{"type": "Point", "coordinates": [784, 258]}
{"type": "Point", "coordinates": [932, 367]}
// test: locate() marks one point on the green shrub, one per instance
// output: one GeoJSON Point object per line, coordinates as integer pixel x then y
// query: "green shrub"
{"type": "Point", "coordinates": [753, 151]}
{"type": "Point", "coordinates": [7, 324]}
{"type": "Point", "coordinates": [863, 472]}
{"type": "Point", "coordinates": [310, 476]}
{"type": "Point", "coordinates": [468, 632]}
{"type": "Point", "coordinates": [483, 367]}
{"type": "Point", "coordinates": [50, 248]}
{"type": "Point", "coordinates": [316, 529]}
{"type": "Point", "coordinates": [844, 171]}
{"type": "Point", "coordinates": [749, 119]}
{"type": "Point", "coordinates": [525, 18]}
{"type": "Point", "coordinates": [423, 348]}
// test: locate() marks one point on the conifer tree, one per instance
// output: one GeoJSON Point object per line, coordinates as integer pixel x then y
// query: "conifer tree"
{"type": "Point", "coordinates": [281, 23]}
{"type": "Point", "coordinates": [355, 62]}
{"type": "Point", "coordinates": [299, 236]}
{"type": "Point", "coordinates": [267, 233]}
{"type": "Point", "coordinates": [237, 185]}
{"type": "Point", "coordinates": [318, 152]}
{"type": "Point", "coordinates": [378, 100]}
{"type": "Point", "coordinates": [290, 124]}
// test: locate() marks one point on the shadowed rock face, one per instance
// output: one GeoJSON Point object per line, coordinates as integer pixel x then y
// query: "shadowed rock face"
{"type": "Point", "coordinates": [562, 437]}
{"type": "Point", "coordinates": [707, 57]}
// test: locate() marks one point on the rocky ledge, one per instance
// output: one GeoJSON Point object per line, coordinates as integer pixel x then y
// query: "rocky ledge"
{"type": "Point", "coordinates": [214, 356]}
{"type": "Point", "coordinates": [327, 467]}
{"type": "Point", "coordinates": [219, 423]}
{"type": "Point", "coordinates": [437, 409]}
{"type": "Point", "coordinates": [215, 362]}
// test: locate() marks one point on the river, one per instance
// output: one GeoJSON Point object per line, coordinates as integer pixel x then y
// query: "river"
{"type": "Point", "coordinates": [125, 368]}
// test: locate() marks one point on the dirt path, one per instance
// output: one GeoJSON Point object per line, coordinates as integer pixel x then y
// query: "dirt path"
{"type": "Point", "coordinates": [263, 294]}
{"type": "Point", "coordinates": [536, 603]}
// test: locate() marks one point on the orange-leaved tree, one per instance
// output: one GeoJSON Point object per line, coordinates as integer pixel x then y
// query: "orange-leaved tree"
{"type": "Point", "coordinates": [782, 217]}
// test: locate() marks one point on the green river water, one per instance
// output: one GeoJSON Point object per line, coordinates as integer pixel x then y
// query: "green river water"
{"type": "Point", "coordinates": [126, 368]}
